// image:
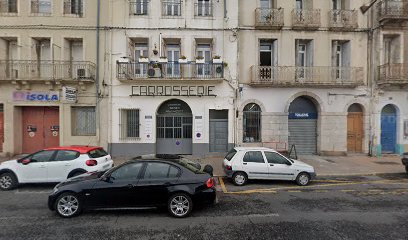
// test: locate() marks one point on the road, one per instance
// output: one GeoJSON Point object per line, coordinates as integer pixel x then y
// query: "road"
{"type": "Point", "coordinates": [367, 207]}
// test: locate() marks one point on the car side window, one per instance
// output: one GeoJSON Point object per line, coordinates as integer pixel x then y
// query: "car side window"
{"type": "Point", "coordinates": [254, 156]}
{"type": "Point", "coordinates": [275, 158]}
{"type": "Point", "coordinates": [160, 171]}
{"type": "Point", "coordinates": [127, 172]}
{"type": "Point", "coordinates": [66, 155]}
{"type": "Point", "coordinates": [43, 156]}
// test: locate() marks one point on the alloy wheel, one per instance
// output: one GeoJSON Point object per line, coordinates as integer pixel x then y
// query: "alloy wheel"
{"type": "Point", "coordinates": [303, 179]}
{"type": "Point", "coordinates": [6, 182]}
{"type": "Point", "coordinates": [68, 205]}
{"type": "Point", "coordinates": [180, 205]}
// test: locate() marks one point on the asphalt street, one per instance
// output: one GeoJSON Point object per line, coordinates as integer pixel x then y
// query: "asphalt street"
{"type": "Point", "coordinates": [359, 207]}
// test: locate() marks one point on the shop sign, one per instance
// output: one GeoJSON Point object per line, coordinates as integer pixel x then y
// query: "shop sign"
{"type": "Point", "coordinates": [69, 94]}
{"type": "Point", "coordinates": [302, 115]}
{"type": "Point", "coordinates": [180, 90]}
{"type": "Point", "coordinates": [36, 96]}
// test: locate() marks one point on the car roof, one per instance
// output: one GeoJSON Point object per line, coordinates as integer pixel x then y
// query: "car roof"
{"type": "Point", "coordinates": [79, 148]}
{"type": "Point", "coordinates": [253, 148]}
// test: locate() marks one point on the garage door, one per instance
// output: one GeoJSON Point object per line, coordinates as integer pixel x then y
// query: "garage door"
{"type": "Point", "coordinates": [302, 134]}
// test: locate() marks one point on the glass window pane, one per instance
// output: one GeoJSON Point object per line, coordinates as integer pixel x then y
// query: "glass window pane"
{"type": "Point", "coordinates": [275, 158]}
{"type": "Point", "coordinates": [127, 172]}
{"type": "Point", "coordinates": [254, 156]}
{"type": "Point", "coordinates": [43, 156]}
{"type": "Point", "coordinates": [65, 155]}
{"type": "Point", "coordinates": [157, 171]}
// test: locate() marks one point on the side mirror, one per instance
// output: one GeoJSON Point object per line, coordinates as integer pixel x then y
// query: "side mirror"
{"type": "Point", "coordinates": [25, 161]}
{"type": "Point", "coordinates": [288, 163]}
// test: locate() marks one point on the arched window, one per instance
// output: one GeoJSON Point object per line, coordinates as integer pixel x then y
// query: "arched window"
{"type": "Point", "coordinates": [252, 123]}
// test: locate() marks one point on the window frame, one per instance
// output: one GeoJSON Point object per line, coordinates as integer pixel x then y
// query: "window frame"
{"type": "Point", "coordinates": [143, 166]}
{"type": "Point", "coordinates": [65, 150]}
{"type": "Point", "coordinates": [250, 151]}
{"type": "Point", "coordinates": [124, 124]}
{"type": "Point", "coordinates": [278, 154]}
{"type": "Point", "coordinates": [74, 131]}
{"type": "Point", "coordinates": [142, 176]}
{"type": "Point", "coordinates": [247, 115]}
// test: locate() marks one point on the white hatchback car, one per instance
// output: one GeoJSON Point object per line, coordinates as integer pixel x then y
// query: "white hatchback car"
{"type": "Point", "coordinates": [53, 165]}
{"type": "Point", "coordinates": [243, 163]}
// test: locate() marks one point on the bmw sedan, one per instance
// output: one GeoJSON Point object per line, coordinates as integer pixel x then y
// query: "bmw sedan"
{"type": "Point", "coordinates": [154, 181]}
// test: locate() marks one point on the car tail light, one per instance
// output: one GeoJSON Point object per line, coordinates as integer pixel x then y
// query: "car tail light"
{"type": "Point", "coordinates": [210, 183]}
{"type": "Point", "coordinates": [228, 167]}
{"type": "Point", "coordinates": [91, 162]}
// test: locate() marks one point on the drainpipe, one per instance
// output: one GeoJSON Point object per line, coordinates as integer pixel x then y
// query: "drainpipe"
{"type": "Point", "coordinates": [97, 68]}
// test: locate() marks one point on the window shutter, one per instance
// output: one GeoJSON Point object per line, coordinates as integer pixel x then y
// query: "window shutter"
{"type": "Point", "coordinates": [333, 53]}
{"type": "Point", "coordinates": [131, 49]}
{"type": "Point", "coordinates": [297, 52]}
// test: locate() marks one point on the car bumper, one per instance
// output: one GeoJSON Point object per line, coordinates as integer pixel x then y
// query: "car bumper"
{"type": "Point", "coordinates": [228, 173]}
{"type": "Point", "coordinates": [51, 201]}
{"type": "Point", "coordinates": [313, 175]}
{"type": "Point", "coordinates": [208, 196]}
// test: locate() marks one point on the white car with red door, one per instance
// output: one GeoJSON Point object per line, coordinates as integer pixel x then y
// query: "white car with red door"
{"type": "Point", "coordinates": [53, 165]}
{"type": "Point", "coordinates": [243, 163]}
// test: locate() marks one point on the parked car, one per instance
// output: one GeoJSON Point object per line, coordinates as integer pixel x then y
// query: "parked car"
{"type": "Point", "coordinates": [151, 181]}
{"type": "Point", "coordinates": [405, 161]}
{"type": "Point", "coordinates": [53, 165]}
{"type": "Point", "coordinates": [243, 163]}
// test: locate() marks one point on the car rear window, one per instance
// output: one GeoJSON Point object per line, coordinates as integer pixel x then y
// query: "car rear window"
{"type": "Point", "coordinates": [97, 153]}
{"type": "Point", "coordinates": [230, 154]}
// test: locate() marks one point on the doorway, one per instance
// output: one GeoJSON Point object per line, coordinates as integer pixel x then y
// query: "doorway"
{"type": "Point", "coordinates": [218, 130]}
{"type": "Point", "coordinates": [388, 129]}
{"type": "Point", "coordinates": [40, 128]}
{"type": "Point", "coordinates": [355, 130]}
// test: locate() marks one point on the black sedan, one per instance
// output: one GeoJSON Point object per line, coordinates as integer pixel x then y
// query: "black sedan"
{"type": "Point", "coordinates": [158, 181]}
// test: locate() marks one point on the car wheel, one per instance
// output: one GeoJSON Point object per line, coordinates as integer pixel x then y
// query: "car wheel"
{"type": "Point", "coordinates": [68, 205]}
{"type": "Point", "coordinates": [8, 181]}
{"type": "Point", "coordinates": [239, 178]}
{"type": "Point", "coordinates": [303, 179]}
{"type": "Point", "coordinates": [180, 205]}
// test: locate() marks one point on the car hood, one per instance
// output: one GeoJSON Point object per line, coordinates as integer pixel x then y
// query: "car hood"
{"type": "Point", "coordinates": [9, 163]}
{"type": "Point", "coordinates": [302, 164]}
{"type": "Point", "coordinates": [83, 178]}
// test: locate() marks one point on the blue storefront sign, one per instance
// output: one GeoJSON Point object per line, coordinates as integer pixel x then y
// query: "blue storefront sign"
{"type": "Point", "coordinates": [302, 115]}
{"type": "Point", "coordinates": [30, 96]}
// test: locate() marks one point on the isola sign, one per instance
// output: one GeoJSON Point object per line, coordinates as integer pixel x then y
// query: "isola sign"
{"type": "Point", "coordinates": [178, 90]}
{"type": "Point", "coordinates": [30, 96]}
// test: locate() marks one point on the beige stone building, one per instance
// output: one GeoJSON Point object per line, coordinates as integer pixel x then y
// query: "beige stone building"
{"type": "Point", "coordinates": [48, 74]}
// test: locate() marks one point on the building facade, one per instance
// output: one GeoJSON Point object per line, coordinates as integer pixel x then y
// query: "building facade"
{"type": "Point", "coordinates": [200, 76]}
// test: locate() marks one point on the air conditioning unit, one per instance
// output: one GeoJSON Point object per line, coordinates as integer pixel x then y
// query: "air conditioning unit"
{"type": "Point", "coordinates": [81, 73]}
{"type": "Point", "coordinates": [154, 72]}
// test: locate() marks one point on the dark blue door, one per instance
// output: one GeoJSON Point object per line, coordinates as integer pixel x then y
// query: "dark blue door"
{"type": "Point", "coordinates": [388, 129]}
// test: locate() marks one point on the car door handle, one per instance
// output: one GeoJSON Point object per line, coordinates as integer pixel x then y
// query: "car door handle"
{"type": "Point", "coordinates": [245, 163]}
{"type": "Point", "coordinates": [130, 186]}
{"type": "Point", "coordinates": [271, 165]}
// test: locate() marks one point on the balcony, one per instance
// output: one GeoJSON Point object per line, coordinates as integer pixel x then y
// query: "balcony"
{"type": "Point", "coordinates": [306, 19]}
{"type": "Point", "coordinates": [394, 74]}
{"type": "Point", "coordinates": [8, 8]}
{"type": "Point", "coordinates": [169, 71]}
{"type": "Point", "coordinates": [392, 10]}
{"type": "Point", "coordinates": [269, 18]}
{"type": "Point", "coordinates": [343, 19]}
{"type": "Point", "coordinates": [47, 71]}
{"type": "Point", "coordinates": [291, 76]}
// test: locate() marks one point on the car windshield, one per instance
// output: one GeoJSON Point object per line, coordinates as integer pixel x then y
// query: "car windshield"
{"type": "Point", "coordinates": [190, 165]}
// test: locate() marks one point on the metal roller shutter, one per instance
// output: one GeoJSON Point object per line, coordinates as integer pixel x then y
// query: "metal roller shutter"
{"type": "Point", "coordinates": [302, 134]}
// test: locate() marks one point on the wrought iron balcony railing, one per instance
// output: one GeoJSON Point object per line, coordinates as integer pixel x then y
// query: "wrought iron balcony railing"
{"type": "Point", "coordinates": [343, 19]}
{"type": "Point", "coordinates": [203, 9]}
{"type": "Point", "coordinates": [8, 7]}
{"type": "Point", "coordinates": [269, 18]}
{"type": "Point", "coordinates": [392, 10]}
{"type": "Point", "coordinates": [171, 8]}
{"type": "Point", "coordinates": [395, 73]}
{"type": "Point", "coordinates": [171, 70]}
{"type": "Point", "coordinates": [139, 7]}
{"type": "Point", "coordinates": [73, 8]}
{"type": "Point", "coordinates": [306, 18]}
{"type": "Point", "coordinates": [41, 7]}
{"type": "Point", "coordinates": [46, 70]}
{"type": "Point", "coordinates": [287, 76]}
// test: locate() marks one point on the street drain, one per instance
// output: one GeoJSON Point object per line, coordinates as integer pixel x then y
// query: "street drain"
{"type": "Point", "coordinates": [387, 163]}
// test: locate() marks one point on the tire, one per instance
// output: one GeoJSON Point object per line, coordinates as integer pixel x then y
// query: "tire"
{"type": "Point", "coordinates": [303, 179]}
{"type": "Point", "coordinates": [68, 205]}
{"type": "Point", "coordinates": [180, 205]}
{"type": "Point", "coordinates": [8, 181]}
{"type": "Point", "coordinates": [239, 178]}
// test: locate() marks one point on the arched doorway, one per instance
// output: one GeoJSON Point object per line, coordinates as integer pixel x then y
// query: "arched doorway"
{"type": "Point", "coordinates": [388, 129]}
{"type": "Point", "coordinates": [174, 128]}
{"type": "Point", "coordinates": [302, 125]}
{"type": "Point", "coordinates": [355, 131]}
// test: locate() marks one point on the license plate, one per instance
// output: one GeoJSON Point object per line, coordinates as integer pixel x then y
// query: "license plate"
{"type": "Point", "coordinates": [106, 166]}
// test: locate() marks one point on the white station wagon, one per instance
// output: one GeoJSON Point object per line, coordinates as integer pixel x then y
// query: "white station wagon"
{"type": "Point", "coordinates": [243, 163]}
{"type": "Point", "coordinates": [53, 165]}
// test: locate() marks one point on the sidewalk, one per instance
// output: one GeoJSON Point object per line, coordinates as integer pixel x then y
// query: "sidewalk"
{"type": "Point", "coordinates": [324, 165]}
